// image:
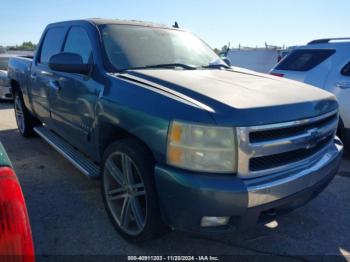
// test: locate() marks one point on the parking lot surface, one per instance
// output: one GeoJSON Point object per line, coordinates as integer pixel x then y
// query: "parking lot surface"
{"type": "Point", "coordinates": [68, 217]}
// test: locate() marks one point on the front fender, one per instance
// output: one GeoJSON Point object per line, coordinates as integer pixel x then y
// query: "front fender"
{"type": "Point", "coordinates": [145, 113]}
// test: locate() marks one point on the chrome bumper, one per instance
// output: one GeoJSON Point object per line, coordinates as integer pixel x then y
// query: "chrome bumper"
{"type": "Point", "coordinates": [262, 192]}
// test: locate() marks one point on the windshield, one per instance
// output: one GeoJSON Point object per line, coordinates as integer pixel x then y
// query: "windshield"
{"type": "Point", "coordinates": [3, 63]}
{"type": "Point", "coordinates": [129, 46]}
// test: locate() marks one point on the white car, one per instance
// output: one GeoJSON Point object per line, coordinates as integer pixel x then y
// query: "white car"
{"type": "Point", "coordinates": [5, 93]}
{"type": "Point", "coordinates": [324, 63]}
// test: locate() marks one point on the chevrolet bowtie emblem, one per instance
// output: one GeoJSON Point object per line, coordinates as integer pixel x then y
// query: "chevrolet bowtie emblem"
{"type": "Point", "coordinates": [314, 136]}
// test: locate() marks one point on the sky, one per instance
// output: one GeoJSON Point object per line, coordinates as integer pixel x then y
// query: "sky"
{"type": "Point", "coordinates": [245, 22]}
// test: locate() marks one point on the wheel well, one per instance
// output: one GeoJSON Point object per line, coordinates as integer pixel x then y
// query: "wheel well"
{"type": "Point", "coordinates": [109, 133]}
{"type": "Point", "coordinates": [340, 128]}
{"type": "Point", "coordinates": [14, 87]}
{"type": "Point", "coordinates": [342, 133]}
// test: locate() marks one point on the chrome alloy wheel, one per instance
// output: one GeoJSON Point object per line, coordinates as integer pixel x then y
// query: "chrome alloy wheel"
{"type": "Point", "coordinates": [19, 114]}
{"type": "Point", "coordinates": [125, 193]}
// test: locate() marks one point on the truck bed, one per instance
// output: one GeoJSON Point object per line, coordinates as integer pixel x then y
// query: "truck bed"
{"type": "Point", "coordinates": [19, 69]}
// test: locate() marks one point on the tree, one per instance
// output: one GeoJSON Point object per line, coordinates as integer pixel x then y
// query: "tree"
{"type": "Point", "coordinates": [217, 51]}
{"type": "Point", "coordinates": [224, 48]}
{"type": "Point", "coordinates": [26, 46]}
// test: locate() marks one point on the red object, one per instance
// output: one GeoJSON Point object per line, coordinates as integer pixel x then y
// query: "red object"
{"type": "Point", "coordinates": [16, 243]}
{"type": "Point", "coordinates": [277, 74]}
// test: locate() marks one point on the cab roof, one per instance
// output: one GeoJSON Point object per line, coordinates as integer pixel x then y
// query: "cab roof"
{"type": "Point", "coordinates": [102, 21]}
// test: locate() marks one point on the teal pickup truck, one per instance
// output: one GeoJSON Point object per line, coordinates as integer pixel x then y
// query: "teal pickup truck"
{"type": "Point", "coordinates": [178, 136]}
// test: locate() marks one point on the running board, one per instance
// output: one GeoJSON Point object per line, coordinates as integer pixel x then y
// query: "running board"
{"type": "Point", "coordinates": [86, 166]}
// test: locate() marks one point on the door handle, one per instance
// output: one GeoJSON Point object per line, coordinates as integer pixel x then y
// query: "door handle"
{"type": "Point", "coordinates": [55, 85]}
{"type": "Point", "coordinates": [343, 85]}
{"type": "Point", "coordinates": [33, 76]}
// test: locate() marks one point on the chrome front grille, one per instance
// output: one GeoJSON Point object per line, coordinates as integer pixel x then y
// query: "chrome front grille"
{"type": "Point", "coordinates": [269, 149]}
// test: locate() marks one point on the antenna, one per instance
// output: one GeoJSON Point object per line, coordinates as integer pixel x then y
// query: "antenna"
{"type": "Point", "coordinates": [228, 48]}
{"type": "Point", "coordinates": [176, 25]}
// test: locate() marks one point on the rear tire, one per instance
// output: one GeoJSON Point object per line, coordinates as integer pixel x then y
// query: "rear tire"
{"type": "Point", "coordinates": [25, 121]}
{"type": "Point", "coordinates": [129, 193]}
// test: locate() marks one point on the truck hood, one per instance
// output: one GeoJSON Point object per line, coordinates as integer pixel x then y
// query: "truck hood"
{"type": "Point", "coordinates": [228, 91]}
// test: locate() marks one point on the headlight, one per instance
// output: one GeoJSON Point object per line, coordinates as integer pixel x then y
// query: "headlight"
{"type": "Point", "coordinates": [201, 148]}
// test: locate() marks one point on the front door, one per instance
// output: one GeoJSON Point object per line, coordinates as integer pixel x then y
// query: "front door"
{"type": "Point", "coordinates": [73, 96]}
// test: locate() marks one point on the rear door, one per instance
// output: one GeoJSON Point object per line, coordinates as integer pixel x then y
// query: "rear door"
{"type": "Point", "coordinates": [73, 101]}
{"type": "Point", "coordinates": [41, 75]}
{"type": "Point", "coordinates": [339, 84]}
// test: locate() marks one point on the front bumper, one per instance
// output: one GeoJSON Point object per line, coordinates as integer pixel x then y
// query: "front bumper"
{"type": "Point", "coordinates": [185, 197]}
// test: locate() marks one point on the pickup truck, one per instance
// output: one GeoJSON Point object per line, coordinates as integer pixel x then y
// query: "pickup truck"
{"type": "Point", "coordinates": [180, 139]}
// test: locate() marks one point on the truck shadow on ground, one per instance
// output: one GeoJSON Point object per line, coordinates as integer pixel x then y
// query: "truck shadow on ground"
{"type": "Point", "coordinates": [68, 216]}
{"type": "Point", "coordinates": [6, 104]}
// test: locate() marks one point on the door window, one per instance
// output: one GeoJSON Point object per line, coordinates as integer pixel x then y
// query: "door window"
{"type": "Point", "coordinates": [52, 44]}
{"type": "Point", "coordinates": [304, 59]}
{"type": "Point", "coordinates": [78, 42]}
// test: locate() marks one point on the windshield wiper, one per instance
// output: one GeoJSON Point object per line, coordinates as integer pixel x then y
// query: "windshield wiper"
{"type": "Point", "coordinates": [173, 65]}
{"type": "Point", "coordinates": [216, 66]}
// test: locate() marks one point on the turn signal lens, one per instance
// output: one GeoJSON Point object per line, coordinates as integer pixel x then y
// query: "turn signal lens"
{"type": "Point", "coordinates": [176, 132]}
{"type": "Point", "coordinates": [175, 155]}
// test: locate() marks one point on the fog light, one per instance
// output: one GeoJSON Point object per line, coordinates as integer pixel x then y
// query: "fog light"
{"type": "Point", "coordinates": [272, 224]}
{"type": "Point", "coordinates": [214, 221]}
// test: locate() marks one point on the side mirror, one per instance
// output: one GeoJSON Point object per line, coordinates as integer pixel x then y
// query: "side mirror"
{"type": "Point", "coordinates": [227, 61]}
{"type": "Point", "coordinates": [69, 63]}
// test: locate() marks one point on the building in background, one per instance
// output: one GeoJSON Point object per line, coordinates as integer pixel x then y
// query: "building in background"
{"type": "Point", "coordinates": [260, 59]}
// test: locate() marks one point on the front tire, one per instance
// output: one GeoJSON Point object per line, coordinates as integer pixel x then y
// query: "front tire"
{"type": "Point", "coordinates": [129, 193]}
{"type": "Point", "coordinates": [25, 121]}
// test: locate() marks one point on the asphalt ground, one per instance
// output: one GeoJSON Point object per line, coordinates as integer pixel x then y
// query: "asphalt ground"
{"type": "Point", "coordinates": [68, 217]}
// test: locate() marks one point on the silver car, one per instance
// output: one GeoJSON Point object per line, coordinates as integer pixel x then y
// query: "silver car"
{"type": "Point", "coordinates": [5, 93]}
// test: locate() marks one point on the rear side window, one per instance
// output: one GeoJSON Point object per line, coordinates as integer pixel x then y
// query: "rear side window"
{"type": "Point", "coordinates": [52, 44]}
{"type": "Point", "coordinates": [304, 59]}
{"type": "Point", "coordinates": [346, 70]}
{"type": "Point", "coordinates": [78, 42]}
